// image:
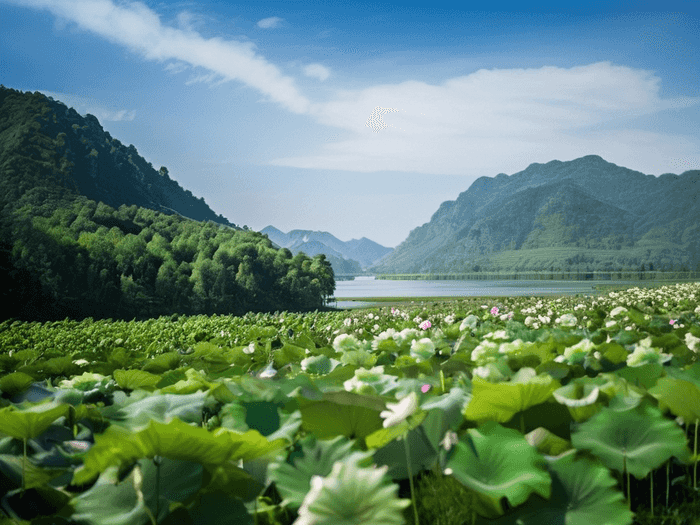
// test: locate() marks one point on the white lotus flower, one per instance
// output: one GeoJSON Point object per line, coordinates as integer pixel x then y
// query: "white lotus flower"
{"type": "Point", "coordinates": [400, 411]}
{"type": "Point", "coordinates": [617, 311]}
{"type": "Point", "coordinates": [644, 353]}
{"type": "Point", "coordinates": [485, 352]}
{"type": "Point", "coordinates": [346, 343]}
{"type": "Point", "coordinates": [567, 320]}
{"type": "Point", "coordinates": [692, 342]}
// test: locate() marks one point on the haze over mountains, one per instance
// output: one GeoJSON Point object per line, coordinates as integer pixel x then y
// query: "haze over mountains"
{"type": "Point", "coordinates": [346, 257]}
{"type": "Point", "coordinates": [583, 214]}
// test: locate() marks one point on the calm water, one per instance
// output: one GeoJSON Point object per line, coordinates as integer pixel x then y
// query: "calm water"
{"type": "Point", "coordinates": [380, 288]}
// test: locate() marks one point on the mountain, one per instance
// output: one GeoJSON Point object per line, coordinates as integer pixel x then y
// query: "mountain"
{"type": "Point", "coordinates": [358, 253]}
{"type": "Point", "coordinates": [89, 229]}
{"type": "Point", "coordinates": [582, 214]}
{"type": "Point", "coordinates": [79, 155]}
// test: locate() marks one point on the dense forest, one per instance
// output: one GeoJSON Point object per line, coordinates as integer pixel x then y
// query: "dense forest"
{"type": "Point", "coordinates": [65, 254]}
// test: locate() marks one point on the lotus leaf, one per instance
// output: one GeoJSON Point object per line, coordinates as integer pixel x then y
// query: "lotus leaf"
{"type": "Point", "coordinates": [497, 462]}
{"type": "Point", "coordinates": [638, 439]}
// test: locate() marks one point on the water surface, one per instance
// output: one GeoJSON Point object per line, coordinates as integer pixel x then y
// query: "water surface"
{"type": "Point", "coordinates": [361, 288]}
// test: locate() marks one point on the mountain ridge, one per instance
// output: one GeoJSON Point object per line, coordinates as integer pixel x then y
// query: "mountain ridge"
{"type": "Point", "coordinates": [587, 203]}
{"type": "Point", "coordinates": [358, 253]}
{"type": "Point", "coordinates": [84, 158]}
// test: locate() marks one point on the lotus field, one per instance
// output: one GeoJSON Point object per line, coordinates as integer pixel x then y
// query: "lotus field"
{"type": "Point", "coordinates": [574, 410]}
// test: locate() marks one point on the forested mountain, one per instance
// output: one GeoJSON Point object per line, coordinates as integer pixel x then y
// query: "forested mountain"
{"type": "Point", "coordinates": [585, 214]}
{"type": "Point", "coordinates": [80, 155]}
{"type": "Point", "coordinates": [358, 253]}
{"type": "Point", "coordinates": [88, 228]}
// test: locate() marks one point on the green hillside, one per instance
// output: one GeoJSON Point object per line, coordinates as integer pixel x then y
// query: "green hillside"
{"type": "Point", "coordinates": [85, 234]}
{"type": "Point", "coordinates": [586, 214]}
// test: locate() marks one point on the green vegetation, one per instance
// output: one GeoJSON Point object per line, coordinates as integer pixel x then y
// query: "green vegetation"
{"type": "Point", "coordinates": [77, 258]}
{"type": "Point", "coordinates": [572, 217]}
{"type": "Point", "coordinates": [482, 411]}
{"type": "Point", "coordinates": [66, 252]}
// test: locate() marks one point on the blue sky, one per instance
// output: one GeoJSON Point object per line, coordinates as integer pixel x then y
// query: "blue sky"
{"type": "Point", "coordinates": [262, 108]}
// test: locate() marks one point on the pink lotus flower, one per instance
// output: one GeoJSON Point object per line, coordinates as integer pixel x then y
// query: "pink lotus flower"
{"type": "Point", "coordinates": [673, 321]}
{"type": "Point", "coordinates": [425, 325]}
{"type": "Point", "coordinates": [425, 388]}
{"type": "Point", "coordinates": [494, 310]}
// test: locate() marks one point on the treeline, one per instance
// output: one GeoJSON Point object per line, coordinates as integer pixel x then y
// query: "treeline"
{"type": "Point", "coordinates": [593, 275]}
{"type": "Point", "coordinates": [87, 259]}
{"type": "Point", "coordinates": [79, 236]}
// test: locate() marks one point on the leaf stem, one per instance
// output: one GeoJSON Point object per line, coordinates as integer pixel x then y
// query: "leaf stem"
{"type": "Point", "coordinates": [410, 476]}
{"type": "Point", "coordinates": [24, 465]}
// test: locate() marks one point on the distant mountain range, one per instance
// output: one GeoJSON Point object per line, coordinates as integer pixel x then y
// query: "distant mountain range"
{"type": "Point", "coordinates": [350, 257]}
{"type": "Point", "coordinates": [585, 214]}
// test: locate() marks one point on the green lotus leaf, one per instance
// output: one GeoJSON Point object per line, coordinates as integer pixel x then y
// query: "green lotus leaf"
{"type": "Point", "coordinates": [640, 439]}
{"type": "Point", "coordinates": [30, 421]}
{"type": "Point", "coordinates": [583, 493]}
{"type": "Point", "coordinates": [289, 353]}
{"type": "Point", "coordinates": [34, 476]}
{"type": "Point", "coordinates": [195, 380]}
{"type": "Point", "coordinates": [141, 408]}
{"type": "Point", "coordinates": [162, 363]}
{"type": "Point", "coordinates": [294, 482]}
{"type": "Point", "coordinates": [110, 502]}
{"type": "Point", "coordinates": [546, 442]}
{"type": "Point", "coordinates": [444, 413]}
{"type": "Point", "coordinates": [177, 480]}
{"type": "Point", "coordinates": [319, 364]}
{"type": "Point", "coordinates": [352, 494]}
{"type": "Point", "coordinates": [341, 414]}
{"type": "Point", "coordinates": [501, 401]}
{"type": "Point", "coordinates": [580, 397]}
{"type": "Point", "coordinates": [642, 376]}
{"type": "Point", "coordinates": [58, 366]}
{"type": "Point", "coordinates": [681, 397]}
{"type": "Point", "coordinates": [613, 352]}
{"type": "Point", "coordinates": [133, 379]}
{"type": "Point", "coordinates": [497, 462]}
{"type": "Point", "coordinates": [16, 382]}
{"type": "Point", "coordinates": [174, 440]}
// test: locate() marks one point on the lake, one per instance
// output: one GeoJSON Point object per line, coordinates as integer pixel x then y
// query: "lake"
{"type": "Point", "coordinates": [365, 287]}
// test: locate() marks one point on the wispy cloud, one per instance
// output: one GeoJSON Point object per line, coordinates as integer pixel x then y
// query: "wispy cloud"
{"type": "Point", "coordinates": [139, 28]}
{"type": "Point", "coordinates": [317, 71]}
{"type": "Point", "coordinates": [269, 23]}
{"type": "Point", "coordinates": [85, 105]}
{"type": "Point", "coordinates": [499, 120]}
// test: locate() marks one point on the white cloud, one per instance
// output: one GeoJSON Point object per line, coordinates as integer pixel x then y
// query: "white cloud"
{"type": "Point", "coordinates": [139, 28]}
{"type": "Point", "coordinates": [176, 67]}
{"type": "Point", "coordinates": [500, 120]}
{"type": "Point", "coordinates": [317, 71]}
{"type": "Point", "coordinates": [86, 105]}
{"type": "Point", "coordinates": [269, 23]}
{"type": "Point", "coordinates": [206, 78]}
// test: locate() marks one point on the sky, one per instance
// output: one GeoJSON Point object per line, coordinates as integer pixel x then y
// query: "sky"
{"type": "Point", "coordinates": [357, 118]}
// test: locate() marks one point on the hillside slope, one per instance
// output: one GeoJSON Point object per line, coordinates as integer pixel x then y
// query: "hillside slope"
{"type": "Point", "coordinates": [79, 155]}
{"type": "Point", "coordinates": [499, 223]}
{"type": "Point", "coordinates": [89, 229]}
